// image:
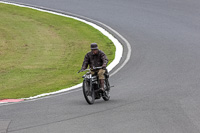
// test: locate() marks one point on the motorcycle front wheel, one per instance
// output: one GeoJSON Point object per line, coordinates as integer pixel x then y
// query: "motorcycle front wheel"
{"type": "Point", "coordinates": [88, 92]}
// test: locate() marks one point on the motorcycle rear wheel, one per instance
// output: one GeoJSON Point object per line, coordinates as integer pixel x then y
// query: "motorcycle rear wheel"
{"type": "Point", "coordinates": [106, 95]}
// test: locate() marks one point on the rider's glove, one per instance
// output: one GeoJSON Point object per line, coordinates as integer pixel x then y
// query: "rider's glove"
{"type": "Point", "coordinates": [104, 66]}
{"type": "Point", "coordinates": [82, 69]}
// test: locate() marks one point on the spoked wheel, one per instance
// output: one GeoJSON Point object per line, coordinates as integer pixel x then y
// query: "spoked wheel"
{"type": "Point", "coordinates": [106, 94]}
{"type": "Point", "coordinates": [88, 92]}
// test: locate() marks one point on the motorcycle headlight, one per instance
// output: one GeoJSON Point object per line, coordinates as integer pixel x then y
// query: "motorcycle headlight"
{"type": "Point", "coordinates": [87, 76]}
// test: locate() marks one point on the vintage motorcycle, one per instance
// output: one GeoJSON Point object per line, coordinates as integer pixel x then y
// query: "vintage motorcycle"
{"type": "Point", "coordinates": [91, 86]}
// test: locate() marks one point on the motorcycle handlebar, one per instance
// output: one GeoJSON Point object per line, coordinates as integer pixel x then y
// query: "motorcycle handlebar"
{"type": "Point", "coordinates": [83, 70]}
{"type": "Point", "coordinates": [94, 68]}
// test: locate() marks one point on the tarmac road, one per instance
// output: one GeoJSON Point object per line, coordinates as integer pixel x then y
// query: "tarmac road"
{"type": "Point", "coordinates": [158, 90]}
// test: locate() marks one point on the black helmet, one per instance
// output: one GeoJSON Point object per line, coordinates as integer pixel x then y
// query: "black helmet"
{"type": "Point", "coordinates": [94, 46]}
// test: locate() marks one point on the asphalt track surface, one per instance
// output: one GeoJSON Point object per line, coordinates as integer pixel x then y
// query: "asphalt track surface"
{"type": "Point", "coordinates": [157, 91]}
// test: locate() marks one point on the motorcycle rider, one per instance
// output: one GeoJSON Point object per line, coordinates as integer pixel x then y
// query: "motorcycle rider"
{"type": "Point", "coordinates": [96, 58]}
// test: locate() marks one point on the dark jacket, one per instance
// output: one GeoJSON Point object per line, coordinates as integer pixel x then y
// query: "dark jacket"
{"type": "Point", "coordinates": [94, 60]}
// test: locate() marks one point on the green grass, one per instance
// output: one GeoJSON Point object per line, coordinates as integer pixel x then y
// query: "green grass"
{"type": "Point", "coordinates": [41, 52]}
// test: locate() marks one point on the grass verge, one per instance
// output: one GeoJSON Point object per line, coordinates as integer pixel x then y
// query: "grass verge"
{"type": "Point", "coordinates": [41, 52]}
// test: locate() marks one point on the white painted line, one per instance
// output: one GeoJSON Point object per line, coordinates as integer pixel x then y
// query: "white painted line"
{"type": "Point", "coordinates": [56, 92]}
{"type": "Point", "coordinates": [118, 45]}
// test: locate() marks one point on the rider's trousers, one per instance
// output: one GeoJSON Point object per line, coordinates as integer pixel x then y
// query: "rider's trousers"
{"type": "Point", "coordinates": [100, 72]}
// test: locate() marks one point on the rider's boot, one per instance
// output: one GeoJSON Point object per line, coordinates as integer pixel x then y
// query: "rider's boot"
{"type": "Point", "coordinates": [102, 84]}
